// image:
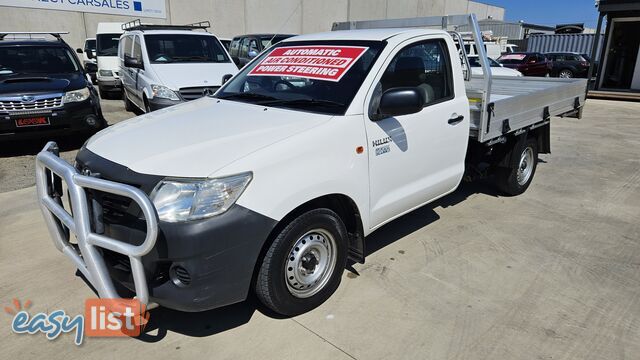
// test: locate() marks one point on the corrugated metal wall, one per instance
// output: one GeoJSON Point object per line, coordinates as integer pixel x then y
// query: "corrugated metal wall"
{"type": "Point", "coordinates": [580, 43]}
{"type": "Point", "coordinates": [501, 29]}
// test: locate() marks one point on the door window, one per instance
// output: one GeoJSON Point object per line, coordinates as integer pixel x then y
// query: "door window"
{"type": "Point", "coordinates": [137, 49]}
{"type": "Point", "coordinates": [244, 48]}
{"type": "Point", "coordinates": [253, 46]}
{"type": "Point", "coordinates": [426, 66]}
{"type": "Point", "coordinates": [125, 47]}
{"type": "Point", "coordinates": [234, 47]}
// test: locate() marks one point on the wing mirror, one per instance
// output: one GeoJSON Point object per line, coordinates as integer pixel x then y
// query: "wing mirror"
{"type": "Point", "coordinates": [226, 78]}
{"type": "Point", "coordinates": [79, 51]}
{"type": "Point", "coordinates": [399, 101]}
{"type": "Point", "coordinates": [133, 62]}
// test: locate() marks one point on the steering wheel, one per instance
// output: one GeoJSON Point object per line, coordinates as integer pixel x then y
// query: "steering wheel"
{"type": "Point", "coordinates": [285, 82]}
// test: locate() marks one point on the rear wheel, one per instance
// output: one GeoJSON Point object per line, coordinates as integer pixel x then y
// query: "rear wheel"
{"type": "Point", "coordinates": [565, 74]}
{"type": "Point", "coordinates": [304, 264]}
{"type": "Point", "coordinates": [523, 161]}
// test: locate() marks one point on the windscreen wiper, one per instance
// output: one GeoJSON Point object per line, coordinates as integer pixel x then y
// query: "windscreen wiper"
{"type": "Point", "coordinates": [249, 96]}
{"type": "Point", "coordinates": [304, 103]}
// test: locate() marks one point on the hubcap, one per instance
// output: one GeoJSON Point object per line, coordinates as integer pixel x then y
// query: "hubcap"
{"type": "Point", "coordinates": [566, 74]}
{"type": "Point", "coordinates": [525, 168]}
{"type": "Point", "coordinates": [311, 262]}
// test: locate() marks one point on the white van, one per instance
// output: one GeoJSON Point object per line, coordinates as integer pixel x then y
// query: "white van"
{"type": "Point", "coordinates": [107, 38]}
{"type": "Point", "coordinates": [164, 65]}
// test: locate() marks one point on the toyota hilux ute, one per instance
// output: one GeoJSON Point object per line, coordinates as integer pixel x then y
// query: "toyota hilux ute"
{"type": "Point", "coordinates": [273, 183]}
{"type": "Point", "coordinates": [44, 90]}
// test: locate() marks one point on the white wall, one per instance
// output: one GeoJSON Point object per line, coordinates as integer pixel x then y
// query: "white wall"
{"type": "Point", "coordinates": [235, 17]}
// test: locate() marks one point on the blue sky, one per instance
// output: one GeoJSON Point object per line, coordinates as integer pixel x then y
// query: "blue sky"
{"type": "Point", "coordinates": [549, 12]}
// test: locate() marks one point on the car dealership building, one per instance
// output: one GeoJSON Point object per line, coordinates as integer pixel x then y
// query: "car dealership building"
{"type": "Point", "coordinates": [228, 17]}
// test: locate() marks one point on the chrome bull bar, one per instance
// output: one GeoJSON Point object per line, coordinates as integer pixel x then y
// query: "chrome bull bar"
{"type": "Point", "coordinates": [50, 171]}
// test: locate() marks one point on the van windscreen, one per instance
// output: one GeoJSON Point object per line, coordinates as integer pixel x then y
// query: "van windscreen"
{"type": "Point", "coordinates": [182, 48]}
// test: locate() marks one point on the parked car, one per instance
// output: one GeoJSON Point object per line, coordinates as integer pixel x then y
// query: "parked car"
{"type": "Point", "coordinates": [44, 90]}
{"type": "Point", "coordinates": [568, 65]}
{"type": "Point", "coordinates": [108, 75]}
{"type": "Point", "coordinates": [496, 68]}
{"type": "Point", "coordinates": [225, 42]}
{"type": "Point", "coordinates": [529, 64]}
{"type": "Point", "coordinates": [246, 47]}
{"type": "Point", "coordinates": [271, 186]}
{"type": "Point", "coordinates": [89, 58]}
{"type": "Point", "coordinates": [161, 65]}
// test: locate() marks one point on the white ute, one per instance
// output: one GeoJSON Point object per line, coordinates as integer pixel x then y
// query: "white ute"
{"type": "Point", "coordinates": [274, 182]}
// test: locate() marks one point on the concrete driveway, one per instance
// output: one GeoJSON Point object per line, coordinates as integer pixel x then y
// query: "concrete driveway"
{"type": "Point", "coordinates": [551, 274]}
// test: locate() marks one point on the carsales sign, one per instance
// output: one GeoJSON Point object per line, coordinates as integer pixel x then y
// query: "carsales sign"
{"type": "Point", "coordinates": [314, 62]}
{"type": "Point", "coordinates": [138, 8]}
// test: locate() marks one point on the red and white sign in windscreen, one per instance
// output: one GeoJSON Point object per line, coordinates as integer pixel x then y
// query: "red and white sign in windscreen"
{"type": "Point", "coordinates": [314, 62]}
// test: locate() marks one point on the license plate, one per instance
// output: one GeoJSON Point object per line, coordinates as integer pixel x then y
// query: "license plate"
{"type": "Point", "coordinates": [34, 121]}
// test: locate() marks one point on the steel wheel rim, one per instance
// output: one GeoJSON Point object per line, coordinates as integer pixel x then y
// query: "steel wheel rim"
{"type": "Point", "coordinates": [310, 264]}
{"type": "Point", "coordinates": [525, 166]}
{"type": "Point", "coordinates": [565, 74]}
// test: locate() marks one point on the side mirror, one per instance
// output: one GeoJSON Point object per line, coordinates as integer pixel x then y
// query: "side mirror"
{"type": "Point", "coordinates": [236, 60]}
{"type": "Point", "coordinates": [79, 51]}
{"type": "Point", "coordinates": [133, 62]}
{"type": "Point", "coordinates": [91, 67]}
{"type": "Point", "coordinates": [252, 54]}
{"type": "Point", "coordinates": [226, 78]}
{"type": "Point", "coordinates": [399, 101]}
{"type": "Point", "coordinates": [91, 54]}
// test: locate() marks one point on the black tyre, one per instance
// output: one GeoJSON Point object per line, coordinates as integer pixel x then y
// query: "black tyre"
{"type": "Point", "coordinates": [128, 105]}
{"type": "Point", "coordinates": [147, 108]}
{"type": "Point", "coordinates": [304, 264]}
{"type": "Point", "coordinates": [523, 161]}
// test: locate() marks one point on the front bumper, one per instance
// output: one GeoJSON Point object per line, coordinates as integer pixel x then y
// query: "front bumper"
{"type": "Point", "coordinates": [109, 84]}
{"type": "Point", "coordinates": [157, 103]}
{"type": "Point", "coordinates": [70, 118]}
{"type": "Point", "coordinates": [191, 266]}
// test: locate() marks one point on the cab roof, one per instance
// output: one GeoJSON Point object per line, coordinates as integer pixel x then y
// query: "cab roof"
{"type": "Point", "coordinates": [368, 34]}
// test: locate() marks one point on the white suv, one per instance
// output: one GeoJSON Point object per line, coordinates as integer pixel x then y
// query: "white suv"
{"type": "Point", "coordinates": [164, 65]}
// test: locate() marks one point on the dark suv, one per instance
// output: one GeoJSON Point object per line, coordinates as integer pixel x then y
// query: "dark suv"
{"type": "Point", "coordinates": [44, 89]}
{"type": "Point", "coordinates": [568, 65]}
{"type": "Point", "coordinates": [246, 47]}
{"type": "Point", "coordinates": [529, 64]}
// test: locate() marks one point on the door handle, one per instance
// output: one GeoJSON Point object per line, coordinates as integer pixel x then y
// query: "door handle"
{"type": "Point", "coordinates": [456, 120]}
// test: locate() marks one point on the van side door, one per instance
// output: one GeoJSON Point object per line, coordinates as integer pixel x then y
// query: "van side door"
{"type": "Point", "coordinates": [124, 50]}
{"type": "Point", "coordinates": [416, 158]}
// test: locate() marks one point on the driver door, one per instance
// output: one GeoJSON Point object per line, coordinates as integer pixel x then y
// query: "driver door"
{"type": "Point", "coordinates": [416, 158]}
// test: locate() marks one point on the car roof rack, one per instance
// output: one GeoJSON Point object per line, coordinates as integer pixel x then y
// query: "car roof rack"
{"type": "Point", "coordinates": [30, 34]}
{"type": "Point", "coordinates": [138, 25]}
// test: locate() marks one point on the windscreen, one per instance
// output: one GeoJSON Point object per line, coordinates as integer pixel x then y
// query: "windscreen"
{"type": "Point", "coordinates": [36, 59]}
{"type": "Point", "coordinates": [181, 48]}
{"type": "Point", "coordinates": [90, 45]}
{"type": "Point", "coordinates": [310, 76]}
{"type": "Point", "coordinates": [107, 44]}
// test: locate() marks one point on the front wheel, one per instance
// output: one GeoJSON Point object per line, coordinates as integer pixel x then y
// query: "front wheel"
{"type": "Point", "coordinates": [303, 266]}
{"type": "Point", "coordinates": [566, 74]}
{"type": "Point", "coordinates": [516, 178]}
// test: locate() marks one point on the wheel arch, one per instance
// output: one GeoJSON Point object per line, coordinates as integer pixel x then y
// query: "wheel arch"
{"type": "Point", "coordinates": [342, 205]}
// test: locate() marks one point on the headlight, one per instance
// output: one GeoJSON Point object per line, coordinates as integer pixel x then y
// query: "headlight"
{"type": "Point", "coordinates": [77, 95]}
{"type": "Point", "coordinates": [106, 73]}
{"type": "Point", "coordinates": [164, 92]}
{"type": "Point", "coordinates": [179, 200]}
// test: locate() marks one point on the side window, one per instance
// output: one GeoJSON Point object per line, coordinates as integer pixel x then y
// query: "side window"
{"type": "Point", "coordinates": [125, 47]}
{"type": "Point", "coordinates": [253, 46]}
{"type": "Point", "coordinates": [233, 48]}
{"type": "Point", "coordinates": [137, 49]}
{"type": "Point", "coordinates": [426, 66]}
{"type": "Point", "coordinates": [244, 47]}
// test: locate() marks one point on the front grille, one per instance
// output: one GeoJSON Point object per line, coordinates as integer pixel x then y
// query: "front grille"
{"type": "Point", "coordinates": [25, 104]}
{"type": "Point", "coordinates": [193, 93]}
{"type": "Point", "coordinates": [115, 208]}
